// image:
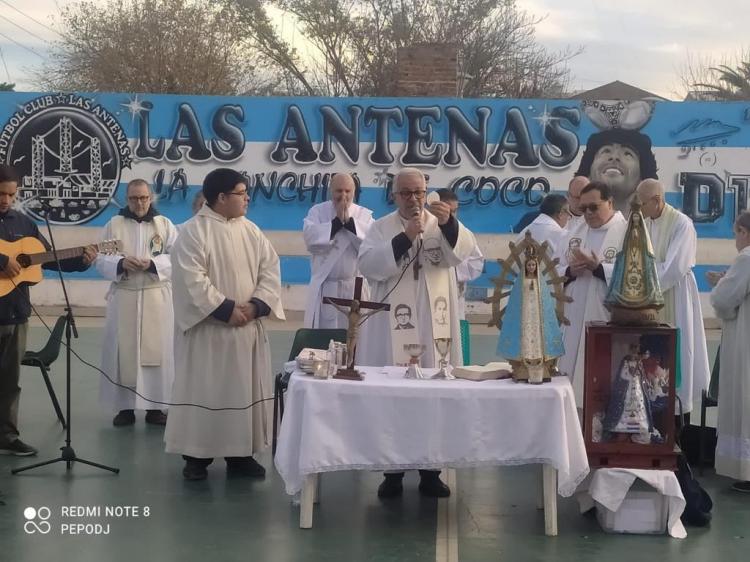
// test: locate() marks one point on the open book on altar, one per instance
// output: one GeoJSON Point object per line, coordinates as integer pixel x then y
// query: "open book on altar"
{"type": "Point", "coordinates": [490, 371]}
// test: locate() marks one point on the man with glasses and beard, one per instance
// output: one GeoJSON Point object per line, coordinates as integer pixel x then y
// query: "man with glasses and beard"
{"type": "Point", "coordinates": [587, 258]}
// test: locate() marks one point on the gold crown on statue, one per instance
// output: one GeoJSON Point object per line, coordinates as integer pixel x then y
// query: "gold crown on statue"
{"type": "Point", "coordinates": [530, 252]}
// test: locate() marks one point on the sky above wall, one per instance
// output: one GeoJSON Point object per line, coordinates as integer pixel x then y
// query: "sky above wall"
{"type": "Point", "coordinates": [642, 42]}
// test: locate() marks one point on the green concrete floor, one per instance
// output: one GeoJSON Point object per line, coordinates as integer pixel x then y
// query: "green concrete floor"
{"type": "Point", "coordinates": [227, 520]}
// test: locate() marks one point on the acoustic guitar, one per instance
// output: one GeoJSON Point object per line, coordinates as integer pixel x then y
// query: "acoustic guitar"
{"type": "Point", "coordinates": [30, 254]}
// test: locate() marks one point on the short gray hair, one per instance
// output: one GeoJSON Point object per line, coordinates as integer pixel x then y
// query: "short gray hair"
{"type": "Point", "coordinates": [408, 172]}
{"type": "Point", "coordinates": [743, 220]}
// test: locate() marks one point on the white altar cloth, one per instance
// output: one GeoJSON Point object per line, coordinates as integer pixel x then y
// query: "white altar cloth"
{"type": "Point", "coordinates": [387, 422]}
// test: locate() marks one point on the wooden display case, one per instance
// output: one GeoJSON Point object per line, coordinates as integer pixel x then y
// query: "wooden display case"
{"type": "Point", "coordinates": [616, 358]}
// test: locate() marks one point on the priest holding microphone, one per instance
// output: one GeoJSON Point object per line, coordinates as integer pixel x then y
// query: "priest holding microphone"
{"type": "Point", "coordinates": [407, 258]}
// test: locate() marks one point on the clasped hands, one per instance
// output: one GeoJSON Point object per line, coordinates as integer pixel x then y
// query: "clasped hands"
{"type": "Point", "coordinates": [582, 262]}
{"type": "Point", "coordinates": [131, 263]}
{"type": "Point", "coordinates": [243, 314]}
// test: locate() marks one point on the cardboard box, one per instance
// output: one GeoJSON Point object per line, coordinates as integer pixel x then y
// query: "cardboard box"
{"type": "Point", "coordinates": [643, 511]}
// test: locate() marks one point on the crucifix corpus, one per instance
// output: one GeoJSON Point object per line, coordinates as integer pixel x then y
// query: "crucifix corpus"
{"type": "Point", "coordinates": [353, 309]}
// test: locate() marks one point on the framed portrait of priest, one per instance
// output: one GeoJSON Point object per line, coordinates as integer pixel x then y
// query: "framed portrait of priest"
{"type": "Point", "coordinates": [629, 396]}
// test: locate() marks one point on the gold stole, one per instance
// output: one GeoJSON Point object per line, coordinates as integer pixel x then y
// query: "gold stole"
{"type": "Point", "coordinates": [665, 225]}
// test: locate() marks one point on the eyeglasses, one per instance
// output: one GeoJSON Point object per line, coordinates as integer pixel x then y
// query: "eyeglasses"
{"type": "Point", "coordinates": [139, 198]}
{"type": "Point", "coordinates": [403, 314]}
{"type": "Point", "coordinates": [412, 194]}
{"type": "Point", "coordinates": [594, 207]}
{"type": "Point", "coordinates": [240, 193]}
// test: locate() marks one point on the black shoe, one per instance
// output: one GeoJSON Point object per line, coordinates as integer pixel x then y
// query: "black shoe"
{"type": "Point", "coordinates": [124, 417]}
{"type": "Point", "coordinates": [392, 486]}
{"type": "Point", "coordinates": [18, 449]}
{"type": "Point", "coordinates": [156, 417]}
{"type": "Point", "coordinates": [741, 487]}
{"type": "Point", "coordinates": [245, 466]}
{"type": "Point", "coordinates": [431, 486]}
{"type": "Point", "coordinates": [194, 471]}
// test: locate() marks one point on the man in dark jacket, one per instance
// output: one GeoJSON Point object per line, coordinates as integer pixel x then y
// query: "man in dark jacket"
{"type": "Point", "coordinates": [15, 309]}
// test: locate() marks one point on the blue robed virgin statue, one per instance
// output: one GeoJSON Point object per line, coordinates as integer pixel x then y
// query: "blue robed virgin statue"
{"type": "Point", "coordinates": [530, 335]}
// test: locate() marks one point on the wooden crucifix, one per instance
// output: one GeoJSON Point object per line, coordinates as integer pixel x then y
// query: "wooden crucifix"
{"type": "Point", "coordinates": [352, 308]}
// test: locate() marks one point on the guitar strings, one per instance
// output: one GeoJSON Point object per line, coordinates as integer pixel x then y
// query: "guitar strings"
{"type": "Point", "coordinates": [111, 381]}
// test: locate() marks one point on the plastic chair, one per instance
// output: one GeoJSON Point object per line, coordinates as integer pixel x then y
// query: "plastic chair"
{"type": "Point", "coordinates": [305, 337]}
{"type": "Point", "coordinates": [44, 358]}
{"type": "Point", "coordinates": [709, 399]}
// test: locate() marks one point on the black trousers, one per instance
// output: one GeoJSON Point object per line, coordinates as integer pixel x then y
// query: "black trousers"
{"type": "Point", "coordinates": [12, 349]}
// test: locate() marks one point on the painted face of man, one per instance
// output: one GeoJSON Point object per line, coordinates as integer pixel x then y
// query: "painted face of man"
{"type": "Point", "coordinates": [619, 167]}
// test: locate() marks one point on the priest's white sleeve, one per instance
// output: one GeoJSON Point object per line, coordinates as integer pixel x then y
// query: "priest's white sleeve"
{"type": "Point", "coordinates": [732, 289]}
{"type": "Point", "coordinates": [471, 267]}
{"type": "Point", "coordinates": [195, 297]}
{"type": "Point", "coordinates": [680, 255]}
{"type": "Point", "coordinates": [268, 286]}
{"type": "Point", "coordinates": [317, 235]}
{"type": "Point", "coordinates": [462, 250]}
{"type": "Point", "coordinates": [163, 262]}
{"type": "Point", "coordinates": [106, 264]}
{"type": "Point", "coordinates": [375, 260]}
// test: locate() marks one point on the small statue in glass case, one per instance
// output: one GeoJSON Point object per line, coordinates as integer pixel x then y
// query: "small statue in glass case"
{"type": "Point", "coordinates": [629, 415]}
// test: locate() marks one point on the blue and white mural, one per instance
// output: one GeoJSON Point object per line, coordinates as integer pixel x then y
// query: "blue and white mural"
{"type": "Point", "coordinates": [76, 152]}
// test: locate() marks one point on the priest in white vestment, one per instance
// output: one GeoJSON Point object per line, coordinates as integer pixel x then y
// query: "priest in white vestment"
{"type": "Point", "coordinates": [137, 352]}
{"type": "Point", "coordinates": [226, 278]}
{"type": "Point", "coordinates": [675, 244]}
{"type": "Point", "coordinates": [731, 300]}
{"type": "Point", "coordinates": [549, 226]}
{"type": "Point", "coordinates": [587, 258]}
{"type": "Point", "coordinates": [333, 232]}
{"type": "Point", "coordinates": [408, 258]}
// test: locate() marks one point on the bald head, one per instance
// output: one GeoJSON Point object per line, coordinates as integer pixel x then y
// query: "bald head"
{"type": "Point", "coordinates": [575, 187]}
{"type": "Point", "coordinates": [342, 193]}
{"type": "Point", "coordinates": [651, 194]}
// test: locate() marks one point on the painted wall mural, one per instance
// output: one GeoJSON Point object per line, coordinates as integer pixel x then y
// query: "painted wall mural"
{"type": "Point", "coordinates": [76, 152]}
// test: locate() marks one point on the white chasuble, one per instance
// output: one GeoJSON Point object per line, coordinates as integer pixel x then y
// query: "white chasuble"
{"type": "Point", "coordinates": [218, 365]}
{"type": "Point", "coordinates": [588, 292]}
{"type": "Point", "coordinates": [138, 334]}
{"type": "Point", "coordinates": [675, 245]}
{"type": "Point", "coordinates": [334, 262]}
{"type": "Point", "coordinates": [731, 300]}
{"type": "Point", "coordinates": [422, 309]}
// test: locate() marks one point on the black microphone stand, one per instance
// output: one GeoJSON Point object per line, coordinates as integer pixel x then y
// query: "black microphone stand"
{"type": "Point", "coordinates": [68, 455]}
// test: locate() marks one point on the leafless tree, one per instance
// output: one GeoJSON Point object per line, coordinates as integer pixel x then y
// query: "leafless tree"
{"type": "Point", "coordinates": [349, 47]}
{"type": "Point", "coordinates": [155, 46]}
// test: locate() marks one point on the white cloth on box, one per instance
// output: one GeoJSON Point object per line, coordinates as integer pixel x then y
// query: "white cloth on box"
{"type": "Point", "coordinates": [609, 486]}
{"type": "Point", "coordinates": [387, 422]}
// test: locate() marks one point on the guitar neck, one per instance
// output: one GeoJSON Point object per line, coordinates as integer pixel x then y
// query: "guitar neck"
{"type": "Point", "coordinates": [44, 257]}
